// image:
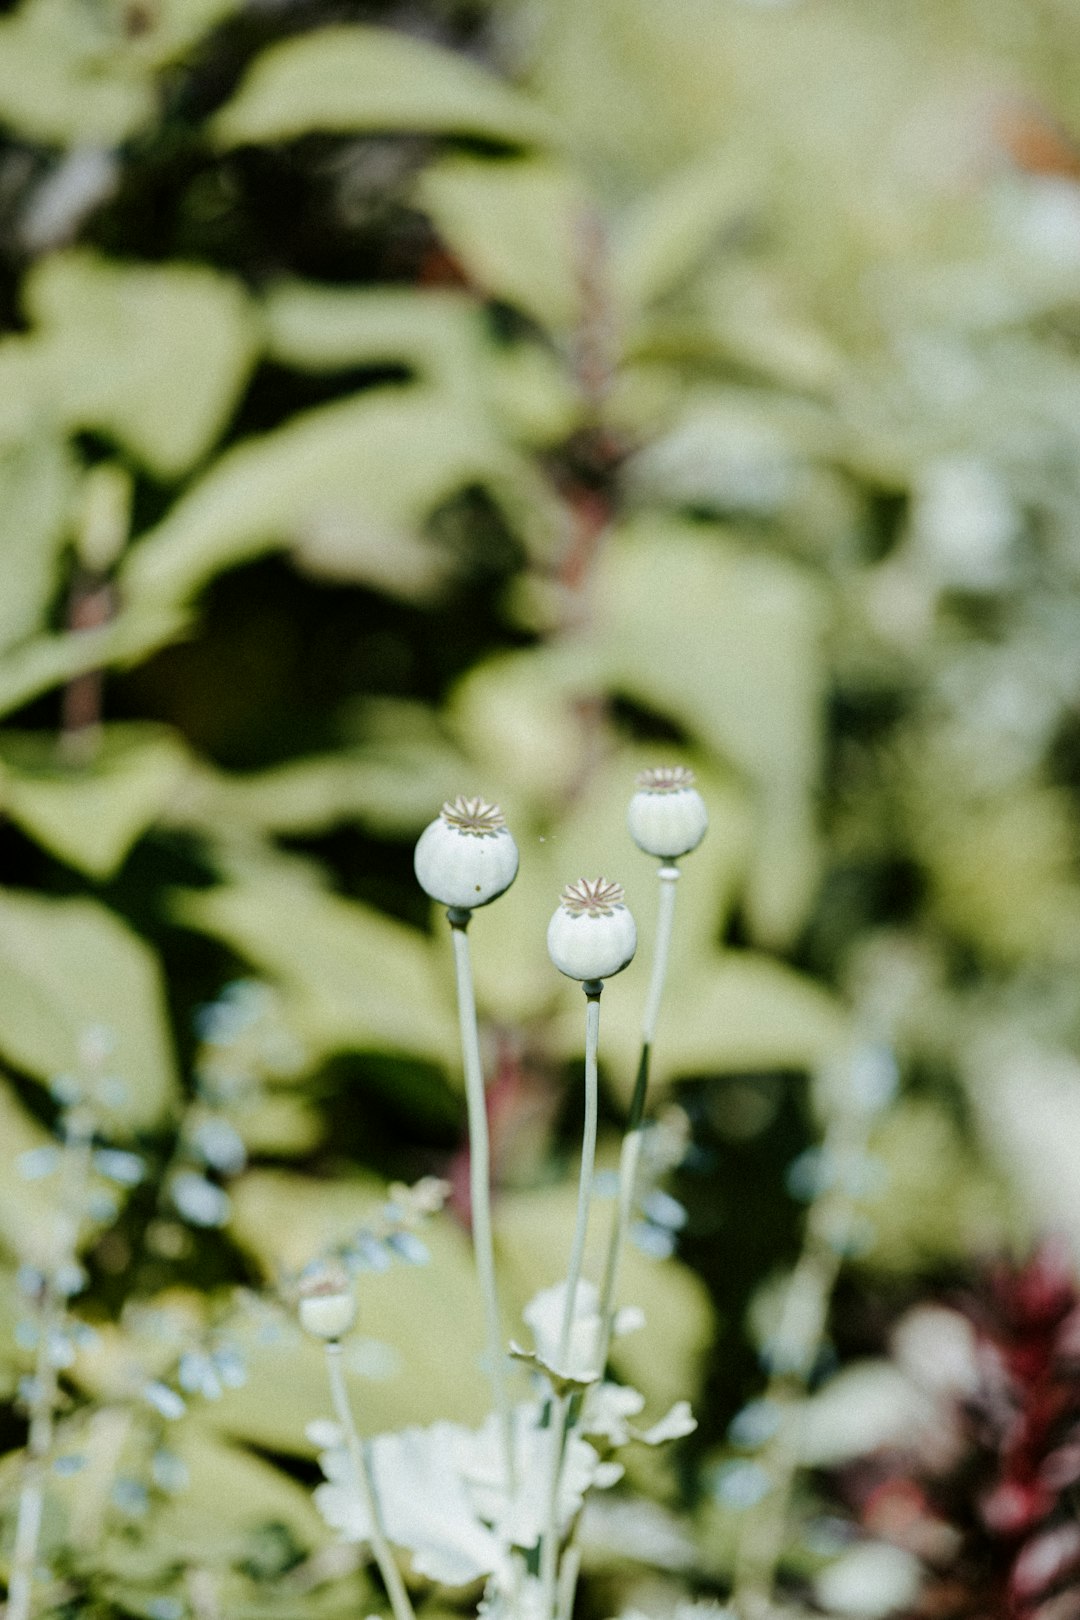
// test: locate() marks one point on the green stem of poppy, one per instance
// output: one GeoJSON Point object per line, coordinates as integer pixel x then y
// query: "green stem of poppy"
{"type": "Point", "coordinates": [559, 1412]}
{"type": "Point", "coordinates": [365, 1485]}
{"type": "Point", "coordinates": [480, 1185]}
{"type": "Point", "coordinates": [630, 1153]}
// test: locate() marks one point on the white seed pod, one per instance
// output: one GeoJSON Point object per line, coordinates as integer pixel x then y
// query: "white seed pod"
{"type": "Point", "coordinates": [667, 815]}
{"type": "Point", "coordinates": [592, 934]}
{"type": "Point", "coordinates": [466, 857]}
{"type": "Point", "coordinates": [327, 1304]}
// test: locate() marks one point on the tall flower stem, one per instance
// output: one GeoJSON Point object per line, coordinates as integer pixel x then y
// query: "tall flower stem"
{"type": "Point", "coordinates": [592, 988]}
{"type": "Point", "coordinates": [630, 1153]}
{"type": "Point", "coordinates": [480, 1184]}
{"type": "Point", "coordinates": [559, 1413]}
{"type": "Point", "coordinates": [380, 1547]}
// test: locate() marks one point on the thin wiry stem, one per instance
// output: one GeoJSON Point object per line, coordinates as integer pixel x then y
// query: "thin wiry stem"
{"type": "Point", "coordinates": [560, 1411]}
{"type": "Point", "coordinates": [630, 1152]}
{"type": "Point", "coordinates": [480, 1187]}
{"type": "Point", "coordinates": [588, 1165]}
{"type": "Point", "coordinates": [380, 1547]}
{"type": "Point", "coordinates": [629, 1158]}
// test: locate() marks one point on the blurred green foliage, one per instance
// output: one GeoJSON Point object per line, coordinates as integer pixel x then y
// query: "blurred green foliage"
{"type": "Point", "coordinates": [505, 398]}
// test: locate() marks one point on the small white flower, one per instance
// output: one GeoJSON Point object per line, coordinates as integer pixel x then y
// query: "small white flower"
{"type": "Point", "coordinates": [466, 857]}
{"type": "Point", "coordinates": [592, 934]}
{"type": "Point", "coordinates": [667, 815]}
{"type": "Point", "coordinates": [327, 1304]}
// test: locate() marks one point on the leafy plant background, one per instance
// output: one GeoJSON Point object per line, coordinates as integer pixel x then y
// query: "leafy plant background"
{"type": "Point", "coordinates": [507, 397]}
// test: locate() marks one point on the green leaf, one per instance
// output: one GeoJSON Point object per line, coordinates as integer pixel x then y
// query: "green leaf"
{"type": "Point", "coordinates": [65, 78]}
{"type": "Point", "coordinates": [437, 333]}
{"type": "Point", "coordinates": [37, 482]}
{"type": "Point", "coordinates": [73, 75]}
{"type": "Point", "coordinates": [731, 1012]}
{"type": "Point", "coordinates": [28, 1209]}
{"type": "Point", "coordinates": [71, 965]}
{"type": "Point", "coordinates": [91, 815]}
{"type": "Point", "coordinates": [416, 1373]}
{"type": "Point", "coordinates": [231, 1494]}
{"type": "Point", "coordinates": [663, 239]}
{"type": "Point", "coordinates": [392, 789]}
{"type": "Point", "coordinates": [153, 356]}
{"type": "Point", "coordinates": [729, 642]}
{"type": "Point", "coordinates": [344, 485]}
{"type": "Point", "coordinates": [941, 1203]}
{"type": "Point", "coordinates": [46, 661]}
{"type": "Point", "coordinates": [363, 80]}
{"type": "Point", "coordinates": [354, 979]}
{"type": "Point", "coordinates": [519, 226]}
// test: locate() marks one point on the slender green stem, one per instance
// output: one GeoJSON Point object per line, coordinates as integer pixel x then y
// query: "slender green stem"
{"type": "Point", "coordinates": [630, 1153]}
{"type": "Point", "coordinates": [593, 988]}
{"type": "Point", "coordinates": [669, 875]}
{"type": "Point", "coordinates": [558, 1415]}
{"type": "Point", "coordinates": [480, 1187]}
{"type": "Point", "coordinates": [380, 1547]}
{"type": "Point", "coordinates": [559, 1412]}
{"type": "Point", "coordinates": [629, 1159]}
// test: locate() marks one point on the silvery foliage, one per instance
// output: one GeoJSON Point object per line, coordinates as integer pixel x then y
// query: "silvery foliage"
{"type": "Point", "coordinates": [442, 1492]}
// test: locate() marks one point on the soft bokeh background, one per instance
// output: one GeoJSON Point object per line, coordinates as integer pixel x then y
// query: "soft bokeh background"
{"type": "Point", "coordinates": [406, 399]}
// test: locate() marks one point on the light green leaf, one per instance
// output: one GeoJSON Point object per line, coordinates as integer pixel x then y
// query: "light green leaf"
{"type": "Point", "coordinates": [437, 333]}
{"type": "Point", "coordinates": [154, 356]}
{"type": "Point", "coordinates": [727, 638]}
{"type": "Point", "coordinates": [65, 78]}
{"type": "Point", "coordinates": [663, 239]}
{"type": "Point", "coordinates": [355, 79]}
{"type": "Point", "coordinates": [230, 1495]}
{"type": "Point", "coordinates": [344, 485]}
{"type": "Point", "coordinates": [533, 393]}
{"type": "Point", "coordinates": [731, 1011]}
{"type": "Point", "coordinates": [730, 642]}
{"type": "Point", "coordinates": [91, 815]}
{"type": "Point", "coordinates": [416, 1372]}
{"type": "Point", "coordinates": [353, 978]}
{"type": "Point", "coordinates": [942, 1204]}
{"type": "Point", "coordinates": [36, 484]}
{"type": "Point", "coordinates": [71, 965]}
{"type": "Point", "coordinates": [284, 1220]}
{"type": "Point", "coordinates": [46, 661]}
{"type": "Point", "coordinates": [391, 789]}
{"type": "Point", "coordinates": [519, 226]}
{"type": "Point", "coordinates": [73, 75]}
{"type": "Point", "coordinates": [281, 1124]}
{"type": "Point", "coordinates": [27, 1208]}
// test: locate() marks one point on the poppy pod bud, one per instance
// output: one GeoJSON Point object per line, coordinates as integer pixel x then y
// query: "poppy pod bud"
{"type": "Point", "coordinates": [667, 815]}
{"type": "Point", "coordinates": [466, 857]}
{"type": "Point", "coordinates": [327, 1304]}
{"type": "Point", "coordinates": [592, 934]}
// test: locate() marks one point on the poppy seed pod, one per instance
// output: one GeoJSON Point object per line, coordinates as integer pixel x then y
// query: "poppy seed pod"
{"type": "Point", "coordinates": [667, 815]}
{"type": "Point", "coordinates": [592, 934]}
{"type": "Point", "coordinates": [327, 1305]}
{"type": "Point", "coordinates": [466, 857]}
